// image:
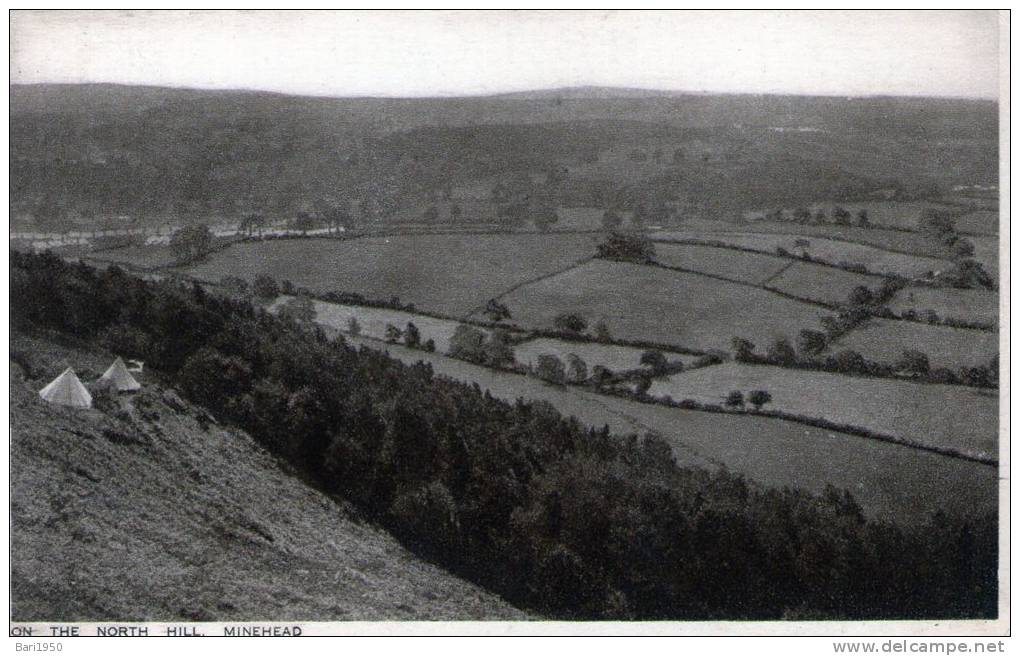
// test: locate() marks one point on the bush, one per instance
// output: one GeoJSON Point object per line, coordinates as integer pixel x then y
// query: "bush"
{"type": "Point", "coordinates": [354, 326]}
{"type": "Point", "coordinates": [913, 362]}
{"type": "Point", "coordinates": [654, 359]}
{"type": "Point", "coordinates": [392, 334]}
{"type": "Point", "coordinates": [758, 398]}
{"type": "Point", "coordinates": [412, 337]}
{"type": "Point", "coordinates": [570, 322]}
{"type": "Point", "coordinates": [735, 399]}
{"type": "Point", "coordinates": [782, 353]}
{"type": "Point", "coordinates": [627, 248]}
{"type": "Point", "coordinates": [577, 369]}
{"type": "Point", "coordinates": [550, 368]}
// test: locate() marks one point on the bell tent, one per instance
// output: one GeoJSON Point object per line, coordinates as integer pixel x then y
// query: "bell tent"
{"type": "Point", "coordinates": [119, 378]}
{"type": "Point", "coordinates": [66, 389]}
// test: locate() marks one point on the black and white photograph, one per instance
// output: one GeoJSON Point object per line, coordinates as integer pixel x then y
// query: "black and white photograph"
{"type": "Point", "coordinates": [540, 320]}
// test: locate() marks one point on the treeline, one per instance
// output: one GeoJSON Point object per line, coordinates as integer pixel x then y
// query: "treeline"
{"type": "Point", "coordinates": [567, 521]}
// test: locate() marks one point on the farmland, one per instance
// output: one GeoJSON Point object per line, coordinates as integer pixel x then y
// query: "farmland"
{"type": "Point", "coordinates": [446, 274]}
{"type": "Point", "coordinates": [884, 340]}
{"type": "Point", "coordinates": [613, 357]}
{"type": "Point", "coordinates": [820, 247]}
{"type": "Point", "coordinates": [752, 268]}
{"type": "Point", "coordinates": [661, 306]}
{"type": "Point", "coordinates": [957, 418]}
{"type": "Point", "coordinates": [981, 222]}
{"type": "Point", "coordinates": [820, 283]}
{"type": "Point", "coordinates": [890, 481]}
{"type": "Point", "coordinates": [973, 305]}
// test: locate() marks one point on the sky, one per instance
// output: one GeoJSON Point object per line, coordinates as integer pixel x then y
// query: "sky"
{"type": "Point", "coordinates": [394, 53]}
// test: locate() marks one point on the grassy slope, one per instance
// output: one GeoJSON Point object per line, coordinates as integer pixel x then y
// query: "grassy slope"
{"type": "Point", "coordinates": [145, 518]}
{"type": "Point", "coordinates": [884, 340]}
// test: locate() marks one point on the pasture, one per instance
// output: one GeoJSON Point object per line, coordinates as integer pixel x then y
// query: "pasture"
{"type": "Point", "coordinates": [978, 305]}
{"type": "Point", "coordinates": [373, 321]}
{"type": "Point", "coordinates": [445, 274]}
{"type": "Point", "coordinates": [652, 304]}
{"type": "Point", "coordinates": [890, 481]}
{"type": "Point", "coordinates": [611, 356]}
{"type": "Point", "coordinates": [960, 418]}
{"type": "Point", "coordinates": [884, 340]}
{"type": "Point", "coordinates": [752, 268]}
{"type": "Point", "coordinates": [820, 283]}
{"type": "Point", "coordinates": [981, 222]}
{"type": "Point", "coordinates": [831, 251]}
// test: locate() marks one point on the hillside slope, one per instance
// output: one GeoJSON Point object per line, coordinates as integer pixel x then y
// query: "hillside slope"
{"type": "Point", "coordinates": [151, 511]}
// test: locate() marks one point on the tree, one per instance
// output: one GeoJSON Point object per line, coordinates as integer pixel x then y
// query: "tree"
{"type": "Point", "coordinates": [962, 248]}
{"type": "Point", "coordinates": [577, 369]}
{"type": "Point", "coordinates": [781, 352]}
{"type": "Point", "coordinates": [654, 359]}
{"type": "Point", "coordinates": [601, 375]}
{"type": "Point", "coordinates": [811, 342]}
{"type": "Point", "coordinates": [496, 311]}
{"type": "Point", "coordinates": [627, 248]}
{"type": "Point", "coordinates": [602, 332]}
{"type": "Point", "coordinates": [743, 350]}
{"type": "Point", "coordinates": [299, 308]}
{"type": "Point", "coordinates": [354, 326]}
{"type": "Point", "coordinates": [252, 221]}
{"type": "Point", "coordinates": [190, 243]}
{"type": "Point", "coordinates": [841, 215]}
{"type": "Point", "coordinates": [499, 350]}
{"type": "Point", "coordinates": [430, 345]}
{"type": "Point", "coordinates": [735, 399]}
{"type": "Point", "coordinates": [392, 333]}
{"type": "Point", "coordinates": [914, 362]}
{"type": "Point", "coordinates": [265, 287]}
{"type": "Point", "coordinates": [550, 368]}
{"type": "Point", "coordinates": [802, 215]}
{"type": "Point", "coordinates": [679, 156]}
{"type": "Point", "coordinates": [611, 220]}
{"type": "Point", "coordinates": [304, 221]}
{"type": "Point", "coordinates": [863, 220]}
{"type": "Point", "coordinates": [570, 322]}
{"type": "Point", "coordinates": [820, 216]}
{"type": "Point", "coordinates": [758, 398]}
{"type": "Point", "coordinates": [468, 343]}
{"type": "Point", "coordinates": [861, 295]}
{"type": "Point", "coordinates": [456, 211]}
{"type": "Point", "coordinates": [850, 361]}
{"type": "Point", "coordinates": [544, 216]}
{"type": "Point", "coordinates": [412, 337]}
{"type": "Point", "coordinates": [431, 214]}
{"type": "Point", "coordinates": [236, 286]}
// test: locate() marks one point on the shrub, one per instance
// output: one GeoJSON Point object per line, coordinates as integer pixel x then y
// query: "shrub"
{"type": "Point", "coordinates": [570, 322]}
{"type": "Point", "coordinates": [913, 362]}
{"type": "Point", "coordinates": [627, 248]}
{"type": "Point", "coordinates": [354, 326]}
{"type": "Point", "coordinates": [735, 399]}
{"type": "Point", "coordinates": [577, 369]}
{"type": "Point", "coordinates": [468, 343]}
{"type": "Point", "coordinates": [550, 368]}
{"type": "Point", "coordinates": [743, 350]}
{"type": "Point", "coordinates": [654, 359]}
{"type": "Point", "coordinates": [392, 333]}
{"type": "Point", "coordinates": [782, 353]}
{"type": "Point", "coordinates": [412, 337]}
{"type": "Point", "coordinates": [758, 398]}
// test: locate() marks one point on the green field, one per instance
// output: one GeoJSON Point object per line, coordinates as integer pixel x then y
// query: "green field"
{"type": "Point", "coordinates": [447, 274]}
{"type": "Point", "coordinates": [981, 222]}
{"type": "Point", "coordinates": [963, 419]}
{"type": "Point", "coordinates": [820, 283]}
{"type": "Point", "coordinates": [831, 251]}
{"type": "Point", "coordinates": [752, 268]}
{"type": "Point", "coordinates": [613, 357]}
{"type": "Point", "coordinates": [884, 340]}
{"type": "Point", "coordinates": [975, 305]}
{"type": "Point", "coordinates": [890, 481]}
{"type": "Point", "coordinates": [659, 305]}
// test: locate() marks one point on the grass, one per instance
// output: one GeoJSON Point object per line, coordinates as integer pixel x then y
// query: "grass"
{"type": "Point", "coordinates": [613, 357]}
{"type": "Point", "coordinates": [752, 268]}
{"type": "Point", "coordinates": [952, 417]}
{"type": "Point", "coordinates": [821, 283]}
{"type": "Point", "coordinates": [890, 481]}
{"type": "Point", "coordinates": [446, 274]}
{"type": "Point", "coordinates": [975, 305]}
{"type": "Point", "coordinates": [833, 251]}
{"type": "Point", "coordinates": [884, 340]}
{"type": "Point", "coordinates": [981, 222]}
{"type": "Point", "coordinates": [662, 306]}
{"type": "Point", "coordinates": [151, 513]}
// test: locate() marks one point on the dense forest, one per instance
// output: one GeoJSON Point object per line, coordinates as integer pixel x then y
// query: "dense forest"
{"type": "Point", "coordinates": [566, 521]}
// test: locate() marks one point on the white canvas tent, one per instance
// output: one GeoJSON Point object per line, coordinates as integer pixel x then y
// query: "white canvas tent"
{"type": "Point", "coordinates": [66, 389]}
{"type": "Point", "coordinates": [119, 378]}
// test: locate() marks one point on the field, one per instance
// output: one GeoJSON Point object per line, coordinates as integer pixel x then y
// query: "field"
{"type": "Point", "coordinates": [981, 222]}
{"type": "Point", "coordinates": [752, 268]}
{"type": "Point", "coordinates": [890, 481]}
{"type": "Point", "coordinates": [832, 251]}
{"type": "Point", "coordinates": [890, 214]}
{"type": "Point", "coordinates": [986, 251]}
{"type": "Point", "coordinates": [615, 358]}
{"type": "Point", "coordinates": [960, 418]}
{"type": "Point", "coordinates": [976, 305]}
{"type": "Point", "coordinates": [820, 283]}
{"type": "Point", "coordinates": [884, 340]}
{"type": "Point", "coordinates": [662, 306]}
{"type": "Point", "coordinates": [373, 321]}
{"type": "Point", "coordinates": [447, 274]}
